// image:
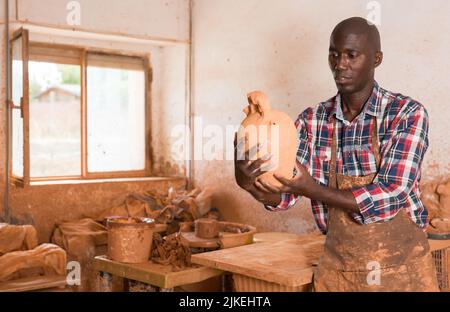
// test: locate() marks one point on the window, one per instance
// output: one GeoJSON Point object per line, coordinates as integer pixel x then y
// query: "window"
{"type": "Point", "coordinates": [77, 113]}
{"type": "Point", "coordinates": [55, 114]}
{"type": "Point", "coordinates": [116, 113]}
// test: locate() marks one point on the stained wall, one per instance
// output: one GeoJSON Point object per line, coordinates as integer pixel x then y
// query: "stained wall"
{"type": "Point", "coordinates": [282, 48]}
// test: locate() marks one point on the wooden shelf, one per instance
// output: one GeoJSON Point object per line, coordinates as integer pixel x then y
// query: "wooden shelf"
{"type": "Point", "coordinates": [33, 283]}
{"type": "Point", "coordinates": [155, 274]}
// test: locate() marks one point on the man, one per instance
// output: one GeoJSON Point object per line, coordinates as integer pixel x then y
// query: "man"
{"type": "Point", "coordinates": [359, 160]}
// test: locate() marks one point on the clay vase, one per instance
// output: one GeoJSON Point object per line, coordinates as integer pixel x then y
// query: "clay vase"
{"type": "Point", "coordinates": [275, 131]}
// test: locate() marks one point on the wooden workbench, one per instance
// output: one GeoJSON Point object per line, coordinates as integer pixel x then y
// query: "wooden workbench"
{"type": "Point", "coordinates": [277, 262]}
{"type": "Point", "coordinates": [284, 265]}
{"type": "Point", "coordinates": [155, 274]}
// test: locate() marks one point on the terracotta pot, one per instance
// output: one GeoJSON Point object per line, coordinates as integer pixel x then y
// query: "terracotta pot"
{"type": "Point", "coordinates": [130, 239]}
{"type": "Point", "coordinates": [206, 228]}
{"type": "Point", "coordinates": [187, 226]}
{"type": "Point", "coordinates": [275, 131]}
{"type": "Point", "coordinates": [435, 196]}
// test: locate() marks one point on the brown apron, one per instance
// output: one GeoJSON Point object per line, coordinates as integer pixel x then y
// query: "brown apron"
{"type": "Point", "coordinates": [382, 256]}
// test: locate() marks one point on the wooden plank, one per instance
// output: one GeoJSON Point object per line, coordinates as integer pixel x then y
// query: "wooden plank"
{"type": "Point", "coordinates": [25, 111]}
{"type": "Point", "coordinates": [287, 262]}
{"type": "Point", "coordinates": [273, 237]}
{"type": "Point", "coordinates": [155, 274]}
{"type": "Point", "coordinates": [83, 115]}
{"type": "Point", "coordinates": [148, 115]}
{"type": "Point", "coordinates": [436, 244]}
{"type": "Point", "coordinates": [33, 283]}
{"type": "Point", "coordinates": [249, 284]}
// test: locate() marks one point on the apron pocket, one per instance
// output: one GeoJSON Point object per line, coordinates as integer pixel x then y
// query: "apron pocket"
{"type": "Point", "coordinates": [395, 278]}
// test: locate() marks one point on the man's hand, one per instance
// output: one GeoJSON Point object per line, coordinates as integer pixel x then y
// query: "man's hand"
{"type": "Point", "coordinates": [246, 170]}
{"type": "Point", "coordinates": [302, 184]}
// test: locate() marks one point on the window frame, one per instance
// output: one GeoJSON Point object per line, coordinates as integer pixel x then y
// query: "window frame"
{"type": "Point", "coordinates": [22, 34]}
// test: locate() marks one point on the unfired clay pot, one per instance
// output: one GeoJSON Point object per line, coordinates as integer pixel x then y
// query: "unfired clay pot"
{"type": "Point", "coordinates": [206, 228]}
{"type": "Point", "coordinates": [130, 239]}
{"type": "Point", "coordinates": [435, 196]}
{"type": "Point", "coordinates": [276, 132]}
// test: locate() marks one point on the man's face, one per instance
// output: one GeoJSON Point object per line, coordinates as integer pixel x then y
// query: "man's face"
{"type": "Point", "coordinates": [352, 62]}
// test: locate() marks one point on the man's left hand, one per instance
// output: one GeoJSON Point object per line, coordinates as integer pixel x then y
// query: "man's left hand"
{"type": "Point", "coordinates": [302, 184]}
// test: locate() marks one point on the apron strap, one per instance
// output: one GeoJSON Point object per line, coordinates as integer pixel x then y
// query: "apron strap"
{"type": "Point", "coordinates": [375, 144]}
{"type": "Point", "coordinates": [332, 178]}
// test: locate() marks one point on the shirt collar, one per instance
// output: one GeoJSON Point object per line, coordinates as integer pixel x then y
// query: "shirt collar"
{"type": "Point", "coordinates": [371, 107]}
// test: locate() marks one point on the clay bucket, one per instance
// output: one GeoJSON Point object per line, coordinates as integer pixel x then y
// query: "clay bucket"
{"type": "Point", "coordinates": [130, 239]}
{"type": "Point", "coordinates": [206, 228]}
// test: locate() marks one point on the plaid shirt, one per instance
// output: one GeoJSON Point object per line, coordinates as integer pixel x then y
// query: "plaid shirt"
{"type": "Point", "coordinates": [403, 137]}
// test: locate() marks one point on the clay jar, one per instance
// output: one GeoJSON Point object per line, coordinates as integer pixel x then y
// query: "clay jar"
{"type": "Point", "coordinates": [274, 131]}
{"type": "Point", "coordinates": [436, 198]}
{"type": "Point", "coordinates": [206, 228]}
{"type": "Point", "coordinates": [130, 239]}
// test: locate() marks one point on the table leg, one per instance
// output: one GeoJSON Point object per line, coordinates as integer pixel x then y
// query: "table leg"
{"type": "Point", "coordinates": [118, 283]}
{"type": "Point", "coordinates": [104, 282]}
{"type": "Point", "coordinates": [109, 283]}
{"type": "Point", "coordinates": [227, 282]}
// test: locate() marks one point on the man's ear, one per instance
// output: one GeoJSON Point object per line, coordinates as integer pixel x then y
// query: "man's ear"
{"type": "Point", "coordinates": [378, 58]}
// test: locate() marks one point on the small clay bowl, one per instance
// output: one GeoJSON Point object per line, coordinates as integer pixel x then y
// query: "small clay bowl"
{"type": "Point", "coordinates": [206, 228]}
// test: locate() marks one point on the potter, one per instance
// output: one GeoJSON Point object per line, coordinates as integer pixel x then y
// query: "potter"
{"type": "Point", "coordinates": [359, 162]}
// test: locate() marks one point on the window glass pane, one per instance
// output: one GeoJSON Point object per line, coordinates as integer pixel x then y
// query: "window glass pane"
{"type": "Point", "coordinates": [17, 71]}
{"type": "Point", "coordinates": [55, 126]}
{"type": "Point", "coordinates": [17, 122]}
{"type": "Point", "coordinates": [115, 119]}
{"type": "Point", "coordinates": [17, 143]}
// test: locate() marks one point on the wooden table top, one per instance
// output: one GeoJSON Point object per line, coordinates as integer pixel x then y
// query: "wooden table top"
{"type": "Point", "coordinates": [288, 262]}
{"type": "Point", "coordinates": [155, 274]}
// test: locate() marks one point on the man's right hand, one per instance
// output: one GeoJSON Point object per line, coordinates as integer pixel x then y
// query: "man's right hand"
{"type": "Point", "coordinates": [246, 171]}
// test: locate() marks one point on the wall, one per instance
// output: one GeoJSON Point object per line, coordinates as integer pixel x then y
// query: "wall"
{"type": "Point", "coordinates": [167, 19]}
{"type": "Point", "coordinates": [154, 27]}
{"type": "Point", "coordinates": [282, 48]}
